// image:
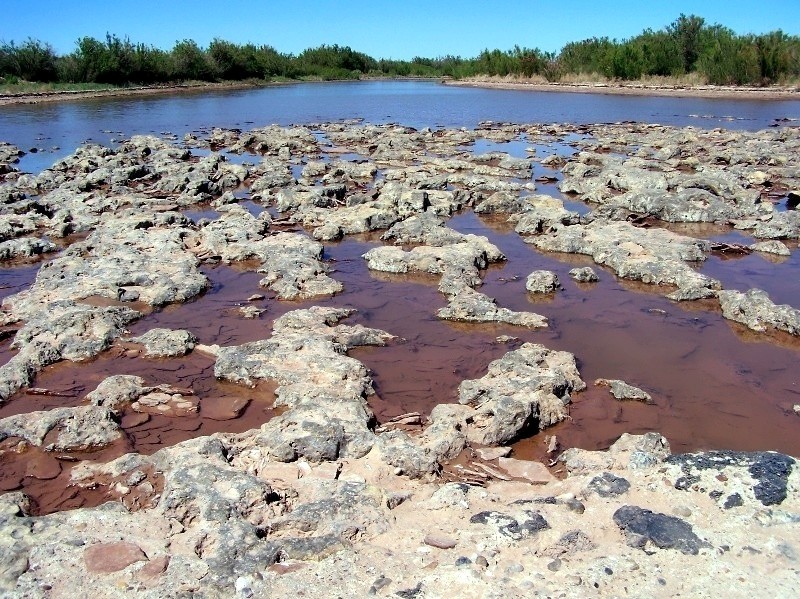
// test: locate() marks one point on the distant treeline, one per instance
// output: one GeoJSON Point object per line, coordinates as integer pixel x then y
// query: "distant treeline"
{"type": "Point", "coordinates": [685, 47]}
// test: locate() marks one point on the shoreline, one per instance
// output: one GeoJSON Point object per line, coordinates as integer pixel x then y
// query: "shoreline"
{"type": "Point", "coordinates": [640, 89]}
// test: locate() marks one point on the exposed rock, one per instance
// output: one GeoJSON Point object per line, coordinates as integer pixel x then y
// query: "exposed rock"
{"type": "Point", "coordinates": [440, 541]}
{"type": "Point", "coordinates": [769, 470]}
{"type": "Point", "coordinates": [324, 389]}
{"type": "Point", "coordinates": [105, 558]}
{"type": "Point", "coordinates": [60, 330]}
{"type": "Point", "coordinates": [771, 247]}
{"type": "Point", "coordinates": [629, 452]}
{"type": "Point", "coordinates": [469, 305]}
{"type": "Point", "coordinates": [623, 391]}
{"type": "Point", "coordinates": [526, 525]}
{"type": "Point", "coordinates": [654, 256]}
{"type": "Point", "coordinates": [608, 485]}
{"type": "Point", "coordinates": [534, 472]}
{"type": "Point", "coordinates": [74, 429]}
{"type": "Point", "coordinates": [458, 261]}
{"type": "Point", "coordinates": [25, 247]}
{"type": "Point", "coordinates": [162, 343]}
{"type": "Point", "coordinates": [756, 311]}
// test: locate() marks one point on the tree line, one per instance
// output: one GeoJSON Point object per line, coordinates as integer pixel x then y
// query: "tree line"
{"type": "Point", "coordinates": [685, 47]}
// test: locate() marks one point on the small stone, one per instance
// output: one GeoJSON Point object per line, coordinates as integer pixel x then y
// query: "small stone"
{"type": "Point", "coordinates": [573, 580]}
{"type": "Point", "coordinates": [608, 570]}
{"type": "Point", "coordinates": [440, 541]}
{"type": "Point", "coordinates": [575, 506]}
{"type": "Point", "coordinates": [255, 297]}
{"type": "Point", "coordinates": [555, 565]}
{"type": "Point", "coordinates": [515, 568]}
{"type": "Point", "coordinates": [153, 569]}
{"type": "Point", "coordinates": [682, 511]}
{"type": "Point", "coordinates": [623, 391]}
{"type": "Point", "coordinates": [732, 501]}
{"type": "Point", "coordinates": [796, 408]}
{"type": "Point", "coordinates": [481, 562]}
{"type": "Point", "coordinates": [463, 562]}
{"type": "Point", "coordinates": [609, 485]}
{"type": "Point", "coordinates": [104, 558]}
{"type": "Point", "coordinates": [379, 584]}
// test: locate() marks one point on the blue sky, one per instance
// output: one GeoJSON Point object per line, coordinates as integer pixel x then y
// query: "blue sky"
{"type": "Point", "coordinates": [381, 28]}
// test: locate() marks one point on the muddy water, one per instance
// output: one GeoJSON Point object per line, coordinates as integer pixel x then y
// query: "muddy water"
{"type": "Point", "coordinates": [714, 383]}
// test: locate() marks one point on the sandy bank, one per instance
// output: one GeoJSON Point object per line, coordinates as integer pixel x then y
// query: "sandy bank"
{"type": "Point", "coordinates": [639, 89]}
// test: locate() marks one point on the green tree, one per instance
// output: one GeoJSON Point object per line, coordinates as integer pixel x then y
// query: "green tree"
{"type": "Point", "coordinates": [687, 32]}
{"type": "Point", "coordinates": [190, 62]}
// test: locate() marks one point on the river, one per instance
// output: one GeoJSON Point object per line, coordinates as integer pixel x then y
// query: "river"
{"type": "Point", "coordinates": [65, 125]}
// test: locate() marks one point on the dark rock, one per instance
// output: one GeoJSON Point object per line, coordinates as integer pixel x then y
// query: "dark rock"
{"type": "Point", "coordinates": [379, 584]}
{"type": "Point", "coordinates": [511, 527]}
{"type": "Point", "coordinates": [666, 532]}
{"type": "Point", "coordinates": [411, 593]}
{"type": "Point", "coordinates": [771, 470]}
{"type": "Point", "coordinates": [734, 500]}
{"type": "Point", "coordinates": [608, 485]}
{"type": "Point", "coordinates": [463, 561]}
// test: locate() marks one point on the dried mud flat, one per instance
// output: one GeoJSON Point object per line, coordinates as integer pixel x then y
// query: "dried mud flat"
{"type": "Point", "coordinates": [356, 359]}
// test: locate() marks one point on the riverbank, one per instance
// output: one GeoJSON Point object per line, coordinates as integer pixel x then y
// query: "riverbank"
{"type": "Point", "coordinates": [41, 97]}
{"type": "Point", "coordinates": [637, 89]}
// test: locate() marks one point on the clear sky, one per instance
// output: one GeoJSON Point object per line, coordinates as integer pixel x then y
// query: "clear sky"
{"type": "Point", "coordinates": [381, 28]}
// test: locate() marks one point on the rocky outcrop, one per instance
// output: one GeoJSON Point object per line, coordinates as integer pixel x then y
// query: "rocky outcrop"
{"type": "Point", "coordinates": [74, 429]}
{"type": "Point", "coordinates": [756, 311]}
{"type": "Point", "coordinates": [163, 343]}
{"type": "Point", "coordinates": [654, 256]}
{"type": "Point", "coordinates": [324, 390]}
{"type": "Point", "coordinates": [542, 281]}
{"type": "Point", "coordinates": [528, 388]}
{"type": "Point", "coordinates": [467, 305]}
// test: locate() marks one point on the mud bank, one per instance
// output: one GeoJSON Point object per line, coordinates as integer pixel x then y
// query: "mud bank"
{"type": "Point", "coordinates": [255, 358]}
